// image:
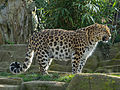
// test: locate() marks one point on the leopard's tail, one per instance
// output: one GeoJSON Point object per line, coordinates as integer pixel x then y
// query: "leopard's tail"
{"type": "Point", "coordinates": [17, 68]}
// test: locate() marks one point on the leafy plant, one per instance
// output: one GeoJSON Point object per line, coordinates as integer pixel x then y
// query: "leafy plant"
{"type": "Point", "coordinates": [66, 78]}
{"type": "Point", "coordinates": [9, 42]}
{"type": "Point", "coordinates": [32, 76]}
{"type": "Point", "coordinates": [75, 14]}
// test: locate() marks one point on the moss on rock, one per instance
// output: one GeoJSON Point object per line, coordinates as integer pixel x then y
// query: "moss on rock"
{"type": "Point", "coordinates": [94, 82]}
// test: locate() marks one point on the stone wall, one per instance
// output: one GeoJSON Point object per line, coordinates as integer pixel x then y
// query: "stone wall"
{"type": "Point", "coordinates": [18, 84]}
{"type": "Point", "coordinates": [79, 82]}
{"type": "Point", "coordinates": [16, 20]}
{"type": "Point", "coordinates": [95, 63]}
{"type": "Point", "coordinates": [1, 40]}
{"type": "Point", "coordinates": [94, 82]}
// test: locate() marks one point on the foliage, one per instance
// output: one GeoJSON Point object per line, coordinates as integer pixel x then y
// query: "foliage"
{"type": "Point", "coordinates": [66, 78]}
{"type": "Point", "coordinates": [118, 75]}
{"type": "Point", "coordinates": [75, 14]}
{"type": "Point", "coordinates": [9, 42]}
{"type": "Point", "coordinates": [32, 76]}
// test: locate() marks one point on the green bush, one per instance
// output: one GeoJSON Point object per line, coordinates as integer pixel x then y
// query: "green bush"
{"type": "Point", "coordinates": [35, 76]}
{"type": "Point", "coordinates": [76, 13]}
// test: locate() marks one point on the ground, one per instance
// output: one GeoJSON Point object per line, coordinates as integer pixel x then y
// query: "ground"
{"type": "Point", "coordinates": [36, 76]}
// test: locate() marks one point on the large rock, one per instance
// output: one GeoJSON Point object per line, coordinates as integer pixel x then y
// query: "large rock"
{"type": "Point", "coordinates": [115, 50]}
{"type": "Point", "coordinates": [117, 56]}
{"type": "Point", "coordinates": [16, 20]}
{"type": "Point", "coordinates": [43, 85]}
{"type": "Point", "coordinates": [64, 66]}
{"type": "Point", "coordinates": [9, 87]}
{"type": "Point", "coordinates": [10, 81]}
{"type": "Point", "coordinates": [1, 41]}
{"type": "Point", "coordinates": [94, 82]}
{"type": "Point", "coordinates": [108, 66]}
{"type": "Point", "coordinates": [109, 63]}
{"type": "Point", "coordinates": [10, 53]}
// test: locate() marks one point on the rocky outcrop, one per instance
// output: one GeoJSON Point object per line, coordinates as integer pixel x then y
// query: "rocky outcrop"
{"type": "Point", "coordinates": [18, 84]}
{"type": "Point", "coordinates": [16, 20]}
{"type": "Point", "coordinates": [1, 40]}
{"type": "Point", "coordinates": [44, 85]}
{"type": "Point", "coordinates": [9, 87]}
{"type": "Point", "coordinates": [84, 81]}
{"type": "Point", "coordinates": [94, 82]}
{"type": "Point", "coordinates": [10, 83]}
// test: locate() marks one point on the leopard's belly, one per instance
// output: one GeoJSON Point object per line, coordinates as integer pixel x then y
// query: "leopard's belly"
{"type": "Point", "coordinates": [60, 53]}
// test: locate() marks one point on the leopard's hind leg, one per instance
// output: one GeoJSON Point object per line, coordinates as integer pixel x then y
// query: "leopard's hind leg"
{"type": "Point", "coordinates": [44, 61]}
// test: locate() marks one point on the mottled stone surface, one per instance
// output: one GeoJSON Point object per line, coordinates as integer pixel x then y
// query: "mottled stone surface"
{"type": "Point", "coordinates": [9, 87]}
{"type": "Point", "coordinates": [43, 85]}
{"type": "Point", "coordinates": [94, 82]}
{"type": "Point", "coordinates": [16, 20]}
{"type": "Point", "coordinates": [10, 81]}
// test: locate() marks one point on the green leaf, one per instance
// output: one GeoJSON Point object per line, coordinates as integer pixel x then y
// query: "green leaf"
{"type": "Point", "coordinates": [83, 18]}
{"type": "Point", "coordinates": [92, 19]}
{"type": "Point", "coordinates": [88, 18]}
{"type": "Point", "coordinates": [71, 20]}
{"type": "Point", "coordinates": [114, 3]}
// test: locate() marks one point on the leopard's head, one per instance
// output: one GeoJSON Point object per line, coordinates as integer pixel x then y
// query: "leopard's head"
{"type": "Point", "coordinates": [104, 32]}
{"type": "Point", "coordinates": [100, 33]}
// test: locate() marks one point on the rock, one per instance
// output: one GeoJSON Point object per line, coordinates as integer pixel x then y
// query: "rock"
{"type": "Point", "coordinates": [9, 87]}
{"type": "Point", "coordinates": [43, 85]}
{"type": "Point", "coordinates": [94, 82]}
{"type": "Point", "coordinates": [10, 53]}
{"type": "Point", "coordinates": [4, 56]}
{"type": "Point", "coordinates": [108, 66]}
{"type": "Point", "coordinates": [15, 20]}
{"type": "Point", "coordinates": [10, 81]}
{"type": "Point", "coordinates": [114, 49]}
{"type": "Point", "coordinates": [92, 63]}
{"type": "Point", "coordinates": [117, 56]}
{"type": "Point", "coordinates": [4, 65]}
{"type": "Point", "coordinates": [1, 41]}
{"type": "Point", "coordinates": [57, 67]}
{"type": "Point", "coordinates": [102, 70]}
{"type": "Point", "coordinates": [109, 63]}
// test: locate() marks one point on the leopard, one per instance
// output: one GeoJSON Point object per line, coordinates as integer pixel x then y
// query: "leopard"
{"type": "Point", "coordinates": [59, 44]}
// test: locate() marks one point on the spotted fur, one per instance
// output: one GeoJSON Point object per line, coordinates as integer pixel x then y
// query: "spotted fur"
{"type": "Point", "coordinates": [61, 44]}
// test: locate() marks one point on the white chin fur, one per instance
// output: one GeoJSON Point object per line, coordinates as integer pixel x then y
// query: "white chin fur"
{"type": "Point", "coordinates": [105, 41]}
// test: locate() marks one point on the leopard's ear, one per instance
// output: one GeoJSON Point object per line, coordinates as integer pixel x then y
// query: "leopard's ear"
{"type": "Point", "coordinates": [96, 24]}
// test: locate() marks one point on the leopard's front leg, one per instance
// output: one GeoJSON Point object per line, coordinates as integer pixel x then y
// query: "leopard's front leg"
{"type": "Point", "coordinates": [76, 63]}
{"type": "Point", "coordinates": [81, 65]}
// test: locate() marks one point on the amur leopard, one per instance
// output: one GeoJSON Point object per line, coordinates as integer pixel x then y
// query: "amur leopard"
{"type": "Point", "coordinates": [61, 44]}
